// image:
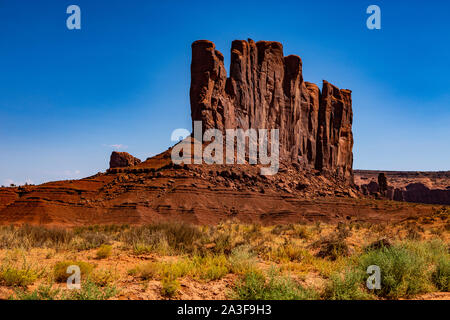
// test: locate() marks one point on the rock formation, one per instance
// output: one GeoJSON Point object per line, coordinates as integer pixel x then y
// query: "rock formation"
{"type": "Point", "coordinates": [266, 90]}
{"type": "Point", "coordinates": [413, 186]}
{"type": "Point", "coordinates": [122, 159]}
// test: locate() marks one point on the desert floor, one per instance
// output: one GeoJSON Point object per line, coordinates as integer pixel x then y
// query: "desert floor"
{"type": "Point", "coordinates": [229, 260]}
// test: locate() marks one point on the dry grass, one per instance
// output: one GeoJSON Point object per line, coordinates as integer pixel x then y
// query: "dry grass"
{"type": "Point", "coordinates": [228, 260]}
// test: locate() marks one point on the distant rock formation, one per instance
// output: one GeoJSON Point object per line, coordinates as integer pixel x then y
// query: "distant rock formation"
{"type": "Point", "coordinates": [122, 159]}
{"type": "Point", "coordinates": [418, 187]}
{"type": "Point", "coordinates": [266, 90]}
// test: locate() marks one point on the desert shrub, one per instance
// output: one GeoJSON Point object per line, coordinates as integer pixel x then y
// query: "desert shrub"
{"type": "Point", "coordinates": [180, 237]}
{"type": "Point", "coordinates": [17, 277]}
{"type": "Point", "coordinates": [90, 291]}
{"type": "Point", "coordinates": [60, 269]}
{"type": "Point", "coordinates": [223, 243]}
{"type": "Point", "coordinates": [45, 237]}
{"type": "Point", "coordinates": [27, 236]}
{"type": "Point", "coordinates": [346, 286]}
{"type": "Point", "coordinates": [326, 267]}
{"type": "Point", "coordinates": [111, 229]}
{"type": "Point", "coordinates": [252, 232]}
{"type": "Point", "coordinates": [90, 240]}
{"type": "Point", "coordinates": [343, 230]}
{"type": "Point", "coordinates": [302, 232]}
{"type": "Point", "coordinates": [15, 271]}
{"type": "Point", "coordinates": [160, 270]}
{"type": "Point", "coordinates": [242, 260]}
{"type": "Point", "coordinates": [102, 278]}
{"type": "Point", "coordinates": [256, 286]}
{"type": "Point", "coordinates": [441, 274]}
{"type": "Point", "coordinates": [43, 292]}
{"type": "Point", "coordinates": [403, 272]}
{"type": "Point", "coordinates": [169, 287]}
{"type": "Point", "coordinates": [104, 251]}
{"type": "Point", "coordinates": [210, 267]}
{"type": "Point", "coordinates": [280, 229]}
{"type": "Point", "coordinates": [332, 248]}
{"type": "Point", "coordinates": [431, 251]}
{"type": "Point", "coordinates": [140, 249]}
{"type": "Point", "coordinates": [287, 252]}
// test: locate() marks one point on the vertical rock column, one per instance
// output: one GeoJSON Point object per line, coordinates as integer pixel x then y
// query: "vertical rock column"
{"type": "Point", "coordinates": [266, 90]}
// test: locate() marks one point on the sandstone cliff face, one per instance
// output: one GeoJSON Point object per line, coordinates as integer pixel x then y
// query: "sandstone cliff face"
{"type": "Point", "coordinates": [266, 90]}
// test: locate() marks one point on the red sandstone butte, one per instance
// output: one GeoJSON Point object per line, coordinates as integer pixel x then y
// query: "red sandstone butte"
{"type": "Point", "coordinates": [266, 90]}
{"type": "Point", "coordinates": [122, 159]}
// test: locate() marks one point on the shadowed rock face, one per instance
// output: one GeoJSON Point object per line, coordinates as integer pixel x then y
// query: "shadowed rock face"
{"type": "Point", "coordinates": [266, 90]}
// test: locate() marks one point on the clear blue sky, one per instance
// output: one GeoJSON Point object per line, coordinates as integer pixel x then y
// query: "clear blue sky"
{"type": "Point", "coordinates": [66, 97]}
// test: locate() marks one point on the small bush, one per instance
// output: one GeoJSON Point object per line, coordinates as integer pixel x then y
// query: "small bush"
{"type": "Point", "coordinates": [256, 286]}
{"type": "Point", "coordinates": [140, 249]}
{"type": "Point", "coordinates": [403, 273]}
{"type": "Point", "coordinates": [27, 236]}
{"type": "Point", "coordinates": [302, 232]}
{"type": "Point", "coordinates": [242, 260]}
{"type": "Point", "coordinates": [60, 269]}
{"type": "Point", "coordinates": [104, 251]}
{"type": "Point", "coordinates": [210, 267]}
{"type": "Point", "coordinates": [441, 274]}
{"type": "Point", "coordinates": [169, 287]}
{"type": "Point", "coordinates": [91, 291]}
{"type": "Point", "coordinates": [90, 240]}
{"type": "Point", "coordinates": [160, 270]}
{"type": "Point", "coordinates": [43, 292]}
{"type": "Point", "coordinates": [14, 277]}
{"type": "Point", "coordinates": [333, 248]}
{"type": "Point", "coordinates": [102, 278]}
{"type": "Point", "coordinates": [180, 237]}
{"type": "Point", "coordinates": [347, 286]}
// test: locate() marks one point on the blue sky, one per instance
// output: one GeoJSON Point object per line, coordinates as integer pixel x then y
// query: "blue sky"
{"type": "Point", "coordinates": [68, 98]}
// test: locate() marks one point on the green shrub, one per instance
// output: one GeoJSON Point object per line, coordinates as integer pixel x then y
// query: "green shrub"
{"type": "Point", "coordinates": [441, 274]}
{"type": "Point", "coordinates": [90, 291]}
{"type": "Point", "coordinates": [169, 287]}
{"type": "Point", "coordinates": [60, 269]}
{"type": "Point", "coordinates": [160, 270]}
{"type": "Point", "coordinates": [242, 260]}
{"type": "Point", "coordinates": [180, 237]}
{"type": "Point", "coordinates": [14, 277]}
{"type": "Point", "coordinates": [256, 286]}
{"type": "Point", "coordinates": [90, 240]}
{"type": "Point", "coordinates": [210, 267]}
{"type": "Point", "coordinates": [403, 272]}
{"type": "Point", "coordinates": [104, 251]}
{"type": "Point", "coordinates": [43, 292]}
{"type": "Point", "coordinates": [333, 248]}
{"type": "Point", "coordinates": [102, 278]}
{"type": "Point", "coordinates": [346, 286]}
{"type": "Point", "coordinates": [27, 236]}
